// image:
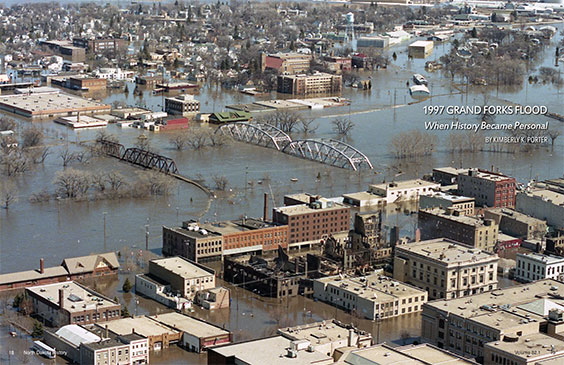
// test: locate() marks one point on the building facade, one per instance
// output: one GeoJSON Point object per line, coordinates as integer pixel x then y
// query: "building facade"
{"type": "Point", "coordinates": [309, 222]}
{"type": "Point", "coordinates": [291, 63]}
{"type": "Point", "coordinates": [71, 303]}
{"type": "Point", "coordinates": [404, 190]}
{"type": "Point", "coordinates": [372, 297]}
{"type": "Point", "coordinates": [100, 45]}
{"type": "Point", "coordinates": [318, 83]}
{"type": "Point", "coordinates": [185, 277]}
{"type": "Point", "coordinates": [198, 245]}
{"type": "Point", "coordinates": [490, 189]}
{"type": "Point", "coordinates": [445, 268]}
{"type": "Point", "coordinates": [87, 83]}
{"type": "Point", "coordinates": [464, 205]}
{"type": "Point", "coordinates": [544, 202]}
{"type": "Point", "coordinates": [475, 232]}
{"type": "Point", "coordinates": [184, 105]}
{"type": "Point", "coordinates": [534, 266]}
{"type": "Point", "coordinates": [516, 224]}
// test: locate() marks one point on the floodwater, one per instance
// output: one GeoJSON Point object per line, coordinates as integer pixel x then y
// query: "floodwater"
{"type": "Point", "coordinates": [61, 228]}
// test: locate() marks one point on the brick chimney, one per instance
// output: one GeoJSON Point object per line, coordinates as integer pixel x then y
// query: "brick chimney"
{"type": "Point", "coordinates": [41, 267]}
{"type": "Point", "coordinates": [61, 298]}
{"type": "Point", "coordinates": [265, 210]}
{"type": "Point", "coordinates": [107, 332]}
{"type": "Point", "coordinates": [417, 235]}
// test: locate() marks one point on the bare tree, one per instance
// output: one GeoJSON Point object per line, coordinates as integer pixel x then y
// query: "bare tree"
{"type": "Point", "coordinates": [342, 126]}
{"type": "Point", "coordinates": [217, 139]}
{"type": "Point", "coordinates": [220, 182]}
{"type": "Point", "coordinates": [8, 193]}
{"type": "Point", "coordinates": [7, 124]}
{"type": "Point", "coordinates": [155, 183]}
{"type": "Point", "coordinates": [14, 162]}
{"type": "Point", "coordinates": [72, 183]}
{"type": "Point", "coordinates": [413, 143]}
{"type": "Point", "coordinates": [105, 136]}
{"type": "Point", "coordinates": [40, 197]}
{"type": "Point", "coordinates": [553, 134]}
{"type": "Point", "coordinates": [115, 181]}
{"type": "Point", "coordinates": [308, 126]}
{"type": "Point", "coordinates": [179, 141]}
{"type": "Point", "coordinates": [67, 156]}
{"type": "Point", "coordinates": [38, 155]}
{"type": "Point", "coordinates": [285, 120]}
{"type": "Point", "coordinates": [31, 137]}
{"type": "Point", "coordinates": [197, 140]}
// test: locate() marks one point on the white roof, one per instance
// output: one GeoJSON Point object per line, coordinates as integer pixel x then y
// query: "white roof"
{"type": "Point", "coordinates": [77, 335]}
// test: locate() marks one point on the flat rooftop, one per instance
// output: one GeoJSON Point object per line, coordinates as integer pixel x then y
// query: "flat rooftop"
{"type": "Point", "coordinates": [487, 175]}
{"type": "Point", "coordinates": [513, 214]}
{"type": "Point", "coordinates": [530, 348]}
{"type": "Point", "coordinates": [190, 325]}
{"type": "Point", "coordinates": [182, 267]}
{"type": "Point", "coordinates": [423, 354]}
{"type": "Point", "coordinates": [306, 209]}
{"type": "Point", "coordinates": [49, 103]}
{"type": "Point", "coordinates": [447, 252]}
{"type": "Point", "coordinates": [547, 259]}
{"type": "Point", "coordinates": [465, 219]}
{"type": "Point", "coordinates": [450, 170]}
{"type": "Point", "coordinates": [143, 326]}
{"type": "Point", "coordinates": [451, 197]}
{"type": "Point", "coordinates": [271, 351]}
{"type": "Point", "coordinates": [77, 298]}
{"type": "Point", "coordinates": [375, 287]}
{"type": "Point", "coordinates": [405, 184]}
{"type": "Point", "coordinates": [512, 296]}
{"type": "Point", "coordinates": [320, 332]}
{"type": "Point", "coordinates": [554, 197]}
{"type": "Point", "coordinates": [193, 233]}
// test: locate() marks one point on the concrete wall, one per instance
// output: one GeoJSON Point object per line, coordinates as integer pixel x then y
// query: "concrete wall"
{"type": "Point", "coordinates": [536, 207]}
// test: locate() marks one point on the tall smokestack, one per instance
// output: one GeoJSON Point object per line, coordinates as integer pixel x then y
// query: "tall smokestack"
{"type": "Point", "coordinates": [41, 267]}
{"type": "Point", "coordinates": [107, 332]}
{"type": "Point", "coordinates": [61, 298]}
{"type": "Point", "coordinates": [417, 235]}
{"type": "Point", "coordinates": [265, 210]}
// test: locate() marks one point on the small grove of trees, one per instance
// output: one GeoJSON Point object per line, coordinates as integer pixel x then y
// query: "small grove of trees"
{"type": "Point", "coordinates": [22, 302]}
{"type": "Point", "coordinates": [38, 330]}
{"type": "Point", "coordinates": [8, 193]}
{"type": "Point", "coordinates": [221, 182]}
{"type": "Point", "coordinates": [198, 140]}
{"type": "Point", "coordinates": [413, 144]}
{"type": "Point", "coordinates": [286, 120]}
{"type": "Point", "coordinates": [342, 126]}
{"type": "Point", "coordinates": [77, 184]}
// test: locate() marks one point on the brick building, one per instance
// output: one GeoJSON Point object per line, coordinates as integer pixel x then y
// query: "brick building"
{"type": "Point", "coordinates": [473, 231]}
{"type": "Point", "coordinates": [100, 45]}
{"type": "Point", "coordinates": [317, 83]}
{"type": "Point", "coordinates": [490, 189]}
{"type": "Point", "coordinates": [309, 222]}
{"type": "Point", "coordinates": [291, 63]}
{"type": "Point", "coordinates": [87, 83]}
{"type": "Point", "coordinates": [71, 303]}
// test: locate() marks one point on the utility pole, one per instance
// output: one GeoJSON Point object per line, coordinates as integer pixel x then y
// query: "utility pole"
{"type": "Point", "coordinates": [105, 231]}
{"type": "Point", "coordinates": [146, 237]}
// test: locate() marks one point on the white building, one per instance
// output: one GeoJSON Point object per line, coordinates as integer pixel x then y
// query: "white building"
{"type": "Point", "coordinates": [535, 266]}
{"type": "Point", "coordinates": [113, 74]}
{"type": "Point", "coordinates": [542, 203]}
{"type": "Point", "coordinates": [404, 190]}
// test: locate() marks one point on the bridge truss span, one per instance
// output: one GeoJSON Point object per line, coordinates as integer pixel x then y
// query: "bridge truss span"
{"type": "Point", "coordinates": [150, 160]}
{"type": "Point", "coordinates": [262, 134]}
{"type": "Point", "coordinates": [329, 151]}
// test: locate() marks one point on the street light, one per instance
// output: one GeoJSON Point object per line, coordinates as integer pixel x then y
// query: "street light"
{"type": "Point", "coordinates": [105, 230]}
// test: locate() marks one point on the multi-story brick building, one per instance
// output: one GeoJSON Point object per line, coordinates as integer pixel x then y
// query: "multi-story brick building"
{"type": "Point", "coordinates": [193, 242]}
{"type": "Point", "coordinates": [445, 268]}
{"type": "Point", "coordinates": [516, 224]}
{"type": "Point", "coordinates": [473, 231]}
{"type": "Point", "coordinates": [66, 50]}
{"type": "Point", "coordinates": [490, 189]}
{"type": "Point", "coordinates": [317, 83]}
{"type": "Point", "coordinates": [309, 222]}
{"type": "Point", "coordinates": [184, 105]}
{"type": "Point", "coordinates": [71, 303]}
{"type": "Point", "coordinates": [185, 277]}
{"type": "Point", "coordinates": [87, 83]}
{"type": "Point", "coordinates": [291, 63]}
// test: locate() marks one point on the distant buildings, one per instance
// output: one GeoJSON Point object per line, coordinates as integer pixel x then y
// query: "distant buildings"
{"type": "Point", "coordinates": [473, 231]}
{"type": "Point", "coordinates": [184, 105]}
{"type": "Point", "coordinates": [490, 189]}
{"type": "Point", "coordinates": [70, 269]}
{"type": "Point", "coordinates": [66, 50]}
{"type": "Point", "coordinates": [372, 42]}
{"type": "Point", "coordinates": [291, 63]}
{"type": "Point", "coordinates": [534, 266]}
{"type": "Point", "coordinates": [309, 222]}
{"type": "Point", "coordinates": [445, 268]}
{"type": "Point", "coordinates": [464, 205]}
{"type": "Point", "coordinates": [510, 315]}
{"type": "Point", "coordinates": [100, 45]}
{"type": "Point", "coordinates": [317, 83]}
{"type": "Point", "coordinates": [544, 200]}
{"type": "Point", "coordinates": [516, 224]}
{"type": "Point", "coordinates": [71, 303]}
{"type": "Point", "coordinates": [537, 348]}
{"type": "Point", "coordinates": [373, 297]}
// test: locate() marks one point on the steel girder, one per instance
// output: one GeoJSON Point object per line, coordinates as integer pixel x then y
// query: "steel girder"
{"type": "Point", "coordinates": [262, 134]}
{"type": "Point", "coordinates": [329, 151]}
{"type": "Point", "coordinates": [112, 148]}
{"type": "Point", "coordinates": [150, 160]}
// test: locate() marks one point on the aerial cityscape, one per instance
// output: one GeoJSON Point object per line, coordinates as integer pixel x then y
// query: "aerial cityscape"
{"type": "Point", "coordinates": [282, 182]}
